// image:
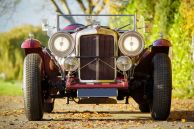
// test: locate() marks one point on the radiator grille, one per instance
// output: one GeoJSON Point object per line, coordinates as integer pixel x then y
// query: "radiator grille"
{"type": "Point", "coordinates": [98, 68]}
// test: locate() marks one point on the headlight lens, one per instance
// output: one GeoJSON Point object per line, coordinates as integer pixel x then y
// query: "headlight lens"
{"type": "Point", "coordinates": [71, 64]}
{"type": "Point", "coordinates": [61, 44]}
{"type": "Point", "coordinates": [131, 43]}
{"type": "Point", "coordinates": [124, 63]}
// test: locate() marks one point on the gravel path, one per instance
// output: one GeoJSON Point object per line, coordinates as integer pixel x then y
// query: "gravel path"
{"type": "Point", "coordinates": [74, 116]}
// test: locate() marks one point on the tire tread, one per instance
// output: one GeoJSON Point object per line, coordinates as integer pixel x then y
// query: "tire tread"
{"type": "Point", "coordinates": [162, 89]}
{"type": "Point", "coordinates": [32, 87]}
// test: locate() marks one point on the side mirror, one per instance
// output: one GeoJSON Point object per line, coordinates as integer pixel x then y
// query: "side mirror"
{"type": "Point", "coordinates": [45, 25]}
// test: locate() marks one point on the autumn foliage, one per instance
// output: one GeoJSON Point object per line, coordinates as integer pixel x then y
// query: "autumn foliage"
{"type": "Point", "coordinates": [174, 18]}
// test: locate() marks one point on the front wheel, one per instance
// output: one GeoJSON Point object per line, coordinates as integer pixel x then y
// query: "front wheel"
{"type": "Point", "coordinates": [162, 87]}
{"type": "Point", "coordinates": [33, 99]}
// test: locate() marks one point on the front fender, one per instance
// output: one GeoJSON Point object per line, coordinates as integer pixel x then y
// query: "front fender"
{"type": "Point", "coordinates": [162, 43]}
{"type": "Point", "coordinates": [32, 46]}
{"type": "Point", "coordinates": [31, 43]}
{"type": "Point", "coordinates": [161, 46]}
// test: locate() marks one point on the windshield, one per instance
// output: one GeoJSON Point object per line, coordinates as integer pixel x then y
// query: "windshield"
{"type": "Point", "coordinates": [111, 21]}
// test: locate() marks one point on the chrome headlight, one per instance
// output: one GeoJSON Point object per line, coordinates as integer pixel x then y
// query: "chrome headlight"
{"type": "Point", "coordinates": [61, 44]}
{"type": "Point", "coordinates": [131, 43]}
{"type": "Point", "coordinates": [124, 63]}
{"type": "Point", "coordinates": [71, 64]}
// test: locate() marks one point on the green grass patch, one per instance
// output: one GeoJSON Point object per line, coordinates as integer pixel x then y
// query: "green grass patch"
{"type": "Point", "coordinates": [10, 88]}
{"type": "Point", "coordinates": [14, 88]}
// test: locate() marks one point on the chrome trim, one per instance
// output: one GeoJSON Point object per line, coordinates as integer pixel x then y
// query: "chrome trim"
{"type": "Point", "coordinates": [65, 53]}
{"type": "Point", "coordinates": [131, 33]}
{"type": "Point", "coordinates": [68, 15]}
{"type": "Point", "coordinates": [97, 61]}
{"type": "Point", "coordinates": [89, 31]}
{"type": "Point", "coordinates": [129, 59]}
{"type": "Point", "coordinates": [96, 81]}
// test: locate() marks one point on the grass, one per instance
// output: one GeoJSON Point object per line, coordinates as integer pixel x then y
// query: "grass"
{"type": "Point", "coordinates": [10, 88]}
{"type": "Point", "coordinates": [14, 88]}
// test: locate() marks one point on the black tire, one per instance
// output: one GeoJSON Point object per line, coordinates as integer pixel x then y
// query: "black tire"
{"type": "Point", "coordinates": [48, 107]}
{"type": "Point", "coordinates": [33, 99]}
{"type": "Point", "coordinates": [145, 108]}
{"type": "Point", "coordinates": [162, 87]}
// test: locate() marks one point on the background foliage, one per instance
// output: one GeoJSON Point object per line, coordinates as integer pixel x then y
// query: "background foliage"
{"type": "Point", "coordinates": [174, 18]}
{"type": "Point", "coordinates": [11, 54]}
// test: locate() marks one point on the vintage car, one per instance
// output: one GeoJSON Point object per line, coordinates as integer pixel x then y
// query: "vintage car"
{"type": "Point", "coordinates": [90, 61]}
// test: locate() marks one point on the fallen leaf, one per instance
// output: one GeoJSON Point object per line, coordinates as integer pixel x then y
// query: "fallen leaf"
{"type": "Point", "coordinates": [183, 120]}
{"type": "Point", "coordinates": [159, 128]}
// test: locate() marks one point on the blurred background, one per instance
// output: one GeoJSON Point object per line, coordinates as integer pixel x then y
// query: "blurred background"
{"type": "Point", "coordinates": [174, 18]}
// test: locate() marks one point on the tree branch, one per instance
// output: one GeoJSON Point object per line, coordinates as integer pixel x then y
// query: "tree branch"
{"type": "Point", "coordinates": [8, 7]}
{"type": "Point", "coordinates": [91, 6]}
{"type": "Point", "coordinates": [66, 7]}
{"type": "Point", "coordinates": [82, 6]}
{"type": "Point", "coordinates": [100, 8]}
{"type": "Point", "coordinates": [96, 3]}
{"type": "Point", "coordinates": [59, 11]}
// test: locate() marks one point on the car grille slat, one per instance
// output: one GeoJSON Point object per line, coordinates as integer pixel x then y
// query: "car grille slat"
{"type": "Point", "coordinates": [97, 45]}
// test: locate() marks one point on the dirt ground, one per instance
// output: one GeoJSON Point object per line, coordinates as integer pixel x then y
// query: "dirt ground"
{"type": "Point", "coordinates": [74, 116]}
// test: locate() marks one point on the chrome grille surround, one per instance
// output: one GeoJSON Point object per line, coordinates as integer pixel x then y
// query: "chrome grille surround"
{"type": "Point", "coordinates": [100, 31]}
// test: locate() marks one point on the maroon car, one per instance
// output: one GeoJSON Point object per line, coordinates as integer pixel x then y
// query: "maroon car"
{"type": "Point", "coordinates": [91, 60]}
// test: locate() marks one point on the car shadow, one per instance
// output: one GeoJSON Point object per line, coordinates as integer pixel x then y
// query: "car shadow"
{"type": "Point", "coordinates": [100, 115]}
{"type": "Point", "coordinates": [109, 112]}
{"type": "Point", "coordinates": [118, 116]}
